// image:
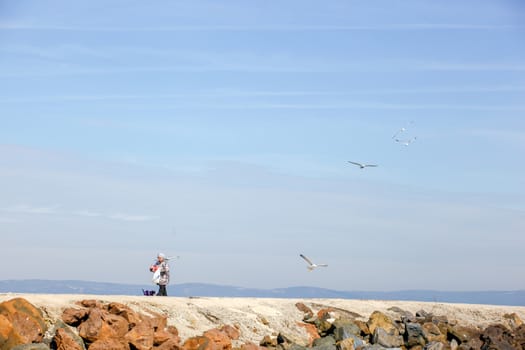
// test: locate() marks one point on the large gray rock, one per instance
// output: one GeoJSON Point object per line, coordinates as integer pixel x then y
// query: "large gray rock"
{"type": "Point", "coordinates": [329, 340]}
{"type": "Point", "coordinates": [344, 328]}
{"type": "Point", "coordinates": [388, 340]}
{"type": "Point", "coordinates": [414, 335]}
{"type": "Point", "coordinates": [403, 314]}
{"type": "Point", "coordinates": [324, 343]}
{"type": "Point", "coordinates": [357, 341]}
{"type": "Point", "coordinates": [435, 345]}
{"type": "Point", "coordinates": [297, 347]}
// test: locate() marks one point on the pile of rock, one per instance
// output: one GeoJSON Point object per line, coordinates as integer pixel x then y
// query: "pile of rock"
{"type": "Point", "coordinates": [336, 329]}
{"type": "Point", "coordinates": [96, 325]}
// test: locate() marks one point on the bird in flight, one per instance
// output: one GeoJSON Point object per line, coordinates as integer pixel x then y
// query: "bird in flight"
{"type": "Point", "coordinates": [311, 266]}
{"type": "Point", "coordinates": [362, 166]}
{"type": "Point", "coordinates": [403, 129]}
{"type": "Point", "coordinates": [406, 142]}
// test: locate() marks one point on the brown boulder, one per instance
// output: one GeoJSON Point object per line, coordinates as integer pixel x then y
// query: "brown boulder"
{"type": "Point", "coordinates": [379, 319]}
{"type": "Point", "coordinates": [463, 334]}
{"type": "Point", "coordinates": [109, 344]}
{"type": "Point", "coordinates": [433, 334]}
{"type": "Point", "coordinates": [124, 311]}
{"type": "Point", "coordinates": [90, 303]}
{"type": "Point", "coordinates": [63, 340]}
{"type": "Point", "coordinates": [23, 322]}
{"type": "Point", "coordinates": [231, 331]}
{"type": "Point", "coordinates": [155, 321]}
{"type": "Point", "coordinates": [198, 343]}
{"type": "Point", "coordinates": [141, 337]}
{"type": "Point", "coordinates": [498, 337]}
{"type": "Point", "coordinates": [251, 346]}
{"type": "Point", "coordinates": [118, 323]}
{"type": "Point", "coordinates": [8, 337]}
{"type": "Point", "coordinates": [74, 317]}
{"type": "Point", "coordinates": [162, 336]}
{"type": "Point", "coordinates": [170, 344]}
{"type": "Point", "coordinates": [95, 327]}
{"type": "Point", "coordinates": [308, 313]}
{"type": "Point", "coordinates": [220, 339]}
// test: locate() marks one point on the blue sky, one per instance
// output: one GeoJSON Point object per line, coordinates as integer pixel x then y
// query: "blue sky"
{"type": "Point", "coordinates": [220, 132]}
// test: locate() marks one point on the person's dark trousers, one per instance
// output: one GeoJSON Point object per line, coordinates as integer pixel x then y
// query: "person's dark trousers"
{"type": "Point", "coordinates": [162, 291]}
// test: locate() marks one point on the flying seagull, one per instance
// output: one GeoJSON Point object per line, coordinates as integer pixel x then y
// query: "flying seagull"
{"type": "Point", "coordinates": [406, 142]}
{"type": "Point", "coordinates": [403, 129]}
{"type": "Point", "coordinates": [398, 132]}
{"type": "Point", "coordinates": [362, 166]}
{"type": "Point", "coordinates": [311, 266]}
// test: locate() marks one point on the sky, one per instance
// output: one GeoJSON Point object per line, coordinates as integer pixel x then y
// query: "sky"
{"type": "Point", "coordinates": [220, 132]}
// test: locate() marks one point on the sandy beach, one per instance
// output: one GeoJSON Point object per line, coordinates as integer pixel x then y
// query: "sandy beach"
{"type": "Point", "coordinates": [257, 317]}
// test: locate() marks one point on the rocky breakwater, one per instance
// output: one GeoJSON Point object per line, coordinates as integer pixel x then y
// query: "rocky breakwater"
{"type": "Point", "coordinates": [94, 324]}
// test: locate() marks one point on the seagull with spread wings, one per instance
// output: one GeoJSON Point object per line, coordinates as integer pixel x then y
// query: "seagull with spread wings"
{"type": "Point", "coordinates": [402, 130]}
{"type": "Point", "coordinates": [406, 142]}
{"type": "Point", "coordinates": [362, 166]}
{"type": "Point", "coordinates": [311, 266]}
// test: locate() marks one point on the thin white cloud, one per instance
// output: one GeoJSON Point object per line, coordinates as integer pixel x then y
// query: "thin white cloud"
{"type": "Point", "coordinates": [263, 93]}
{"type": "Point", "coordinates": [87, 213]}
{"type": "Point", "coordinates": [272, 65]}
{"type": "Point", "coordinates": [264, 28]}
{"type": "Point", "coordinates": [58, 53]}
{"type": "Point", "coordinates": [53, 210]}
{"type": "Point", "coordinates": [471, 66]}
{"type": "Point", "coordinates": [28, 209]}
{"type": "Point", "coordinates": [368, 105]}
{"type": "Point", "coordinates": [127, 217]}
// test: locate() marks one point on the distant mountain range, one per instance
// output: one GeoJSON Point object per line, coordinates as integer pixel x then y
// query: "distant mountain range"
{"type": "Point", "coordinates": [514, 298]}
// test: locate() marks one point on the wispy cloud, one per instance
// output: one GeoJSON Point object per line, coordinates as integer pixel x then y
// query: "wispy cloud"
{"type": "Point", "coordinates": [266, 93]}
{"type": "Point", "coordinates": [87, 213]}
{"type": "Point", "coordinates": [358, 105]}
{"type": "Point", "coordinates": [266, 68]}
{"type": "Point", "coordinates": [28, 209]}
{"type": "Point", "coordinates": [262, 28]}
{"type": "Point", "coordinates": [58, 52]}
{"type": "Point", "coordinates": [470, 66]}
{"type": "Point", "coordinates": [53, 210]}
{"type": "Point", "coordinates": [76, 60]}
{"type": "Point", "coordinates": [127, 217]}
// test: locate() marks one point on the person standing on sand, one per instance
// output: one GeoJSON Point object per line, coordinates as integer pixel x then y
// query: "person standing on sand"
{"type": "Point", "coordinates": [162, 265]}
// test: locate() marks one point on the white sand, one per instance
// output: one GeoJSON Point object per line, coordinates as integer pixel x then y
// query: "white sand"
{"type": "Point", "coordinates": [257, 317]}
